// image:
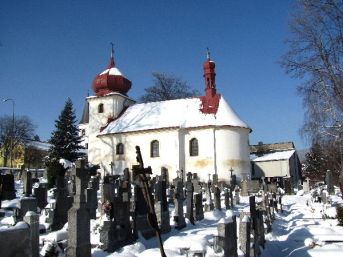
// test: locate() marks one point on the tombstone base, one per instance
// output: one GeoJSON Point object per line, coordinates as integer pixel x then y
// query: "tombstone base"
{"type": "Point", "coordinates": [180, 222]}
{"type": "Point", "coordinates": [112, 238]}
{"type": "Point", "coordinates": [142, 225]}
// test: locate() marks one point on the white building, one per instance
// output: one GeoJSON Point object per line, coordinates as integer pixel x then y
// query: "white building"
{"type": "Point", "coordinates": [201, 135]}
{"type": "Point", "coordinates": [276, 161]}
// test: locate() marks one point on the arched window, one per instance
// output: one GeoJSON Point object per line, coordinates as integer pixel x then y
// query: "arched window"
{"type": "Point", "coordinates": [119, 149]}
{"type": "Point", "coordinates": [100, 108]}
{"type": "Point", "coordinates": [154, 149]}
{"type": "Point", "coordinates": [193, 147]}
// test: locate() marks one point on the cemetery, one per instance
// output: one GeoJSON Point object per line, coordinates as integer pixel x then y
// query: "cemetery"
{"type": "Point", "coordinates": [137, 214]}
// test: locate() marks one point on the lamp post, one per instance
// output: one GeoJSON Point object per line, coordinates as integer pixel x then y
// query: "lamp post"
{"type": "Point", "coordinates": [12, 136]}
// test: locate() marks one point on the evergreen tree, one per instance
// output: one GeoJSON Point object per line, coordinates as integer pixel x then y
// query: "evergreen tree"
{"type": "Point", "coordinates": [65, 142]}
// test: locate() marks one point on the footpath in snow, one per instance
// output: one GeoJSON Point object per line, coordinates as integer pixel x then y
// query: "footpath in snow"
{"type": "Point", "coordinates": [302, 231]}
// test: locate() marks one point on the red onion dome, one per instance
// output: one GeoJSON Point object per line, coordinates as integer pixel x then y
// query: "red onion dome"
{"type": "Point", "coordinates": [111, 80]}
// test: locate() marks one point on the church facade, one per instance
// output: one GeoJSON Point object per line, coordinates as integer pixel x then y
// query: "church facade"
{"type": "Point", "coordinates": [201, 135]}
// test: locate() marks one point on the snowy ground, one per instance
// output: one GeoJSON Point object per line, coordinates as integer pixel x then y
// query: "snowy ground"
{"type": "Point", "coordinates": [300, 230]}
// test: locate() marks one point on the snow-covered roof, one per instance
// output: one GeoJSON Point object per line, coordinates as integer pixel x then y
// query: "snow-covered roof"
{"type": "Point", "coordinates": [180, 113]}
{"type": "Point", "coordinates": [40, 145]}
{"type": "Point", "coordinates": [283, 155]}
{"type": "Point", "coordinates": [112, 71]}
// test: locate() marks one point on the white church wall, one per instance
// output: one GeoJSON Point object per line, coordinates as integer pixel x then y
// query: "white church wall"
{"type": "Point", "coordinates": [113, 104]}
{"type": "Point", "coordinates": [233, 152]}
{"type": "Point", "coordinates": [168, 150]}
{"type": "Point", "coordinates": [174, 151]}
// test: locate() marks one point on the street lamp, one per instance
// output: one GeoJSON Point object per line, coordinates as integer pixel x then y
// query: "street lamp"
{"type": "Point", "coordinates": [12, 136]}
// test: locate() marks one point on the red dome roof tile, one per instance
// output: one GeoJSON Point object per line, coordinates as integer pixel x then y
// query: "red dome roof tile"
{"type": "Point", "coordinates": [111, 80]}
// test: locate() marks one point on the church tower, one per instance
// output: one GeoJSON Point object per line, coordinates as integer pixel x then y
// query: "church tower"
{"type": "Point", "coordinates": [210, 101]}
{"type": "Point", "coordinates": [108, 104]}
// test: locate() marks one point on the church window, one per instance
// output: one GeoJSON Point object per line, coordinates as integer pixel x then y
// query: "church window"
{"type": "Point", "coordinates": [120, 149]}
{"type": "Point", "coordinates": [154, 149]}
{"type": "Point", "coordinates": [193, 147]}
{"type": "Point", "coordinates": [83, 132]}
{"type": "Point", "coordinates": [100, 108]}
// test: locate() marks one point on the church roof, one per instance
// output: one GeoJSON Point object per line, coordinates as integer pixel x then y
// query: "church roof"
{"type": "Point", "coordinates": [180, 113]}
{"type": "Point", "coordinates": [85, 114]}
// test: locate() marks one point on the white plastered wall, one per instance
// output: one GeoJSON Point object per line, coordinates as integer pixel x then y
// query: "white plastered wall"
{"type": "Point", "coordinates": [219, 150]}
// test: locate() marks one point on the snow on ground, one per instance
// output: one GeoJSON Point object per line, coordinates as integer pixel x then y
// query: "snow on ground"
{"type": "Point", "coordinates": [302, 230]}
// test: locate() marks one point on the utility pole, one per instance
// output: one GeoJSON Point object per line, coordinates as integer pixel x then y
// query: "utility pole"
{"type": "Point", "coordinates": [12, 134]}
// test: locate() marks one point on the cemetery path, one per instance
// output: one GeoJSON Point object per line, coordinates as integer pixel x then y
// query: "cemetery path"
{"type": "Point", "coordinates": [301, 231]}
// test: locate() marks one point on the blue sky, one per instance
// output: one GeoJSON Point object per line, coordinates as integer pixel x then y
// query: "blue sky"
{"type": "Point", "coordinates": [51, 50]}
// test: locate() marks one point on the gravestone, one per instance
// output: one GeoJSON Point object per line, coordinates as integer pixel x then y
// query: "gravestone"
{"type": "Point", "coordinates": [272, 187]}
{"type": "Point", "coordinates": [107, 193]}
{"type": "Point", "coordinates": [8, 187]}
{"type": "Point", "coordinates": [41, 194]}
{"type": "Point", "coordinates": [260, 228]}
{"type": "Point", "coordinates": [116, 232]}
{"type": "Point", "coordinates": [198, 208]}
{"type": "Point", "coordinates": [178, 201]}
{"type": "Point", "coordinates": [253, 214]}
{"type": "Point", "coordinates": [264, 185]}
{"type": "Point", "coordinates": [244, 188]}
{"type": "Point", "coordinates": [288, 186]}
{"type": "Point", "coordinates": [244, 235]}
{"type": "Point", "coordinates": [92, 198]}
{"type": "Point", "coordinates": [141, 223]}
{"type": "Point", "coordinates": [214, 181]}
{"type": "Point", "coordinates": [253, 186]}
{"type": "Point", "coordinates": [233, 181]}
{"type": "Point", "coordinates": [227, 199]}
{"type": "Point", "coordinates": [209, 206]}
{"type": "Point", "coordinates": [227, 236]}
{"type": "Point", "coordinates": [196, 183]}
{"type": "Point", "coordinates": [189, 197]}
{"type": "Point", "coordinates": [170, 194]}
{"type": "Point", "coordinates": [324, 197]}
{"type": "Point", "coordinates": [231, 197]}
{"type": "Point", "coordinates": [306, 185]}
{"type": "Point", "coordinates": [236, 197]}
{"type": "Point", "coordinates": [63, 202]}
{"type": "Point", "coordinates": [329, 182]}
{"type": "Point", "coordinates": [78, 217]}
{"type": "Point", "coordinates": [24, 205]}
{"type": "Point", "coordinates": [217, 203]}
{"type": "Point", "coordinates": [32, 219]}
{"type": "Point", "coordinates": [161, 207]}
{"type": "Point", "coordinates": [272, 209]}
{"type": "Point", "coordinates": [27, 181]}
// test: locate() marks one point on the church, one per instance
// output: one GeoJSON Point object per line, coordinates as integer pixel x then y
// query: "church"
{"type": "Point", "coordinates": [201, 134]}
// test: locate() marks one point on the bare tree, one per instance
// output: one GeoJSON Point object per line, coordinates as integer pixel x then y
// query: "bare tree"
{"type": "Point", "coordinates": [315, 55]}
{"type": "Point", "coordinates": [167, 87]}
{"type": "Point", "coordinates": [13, 135]}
